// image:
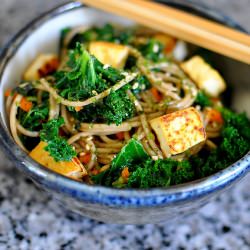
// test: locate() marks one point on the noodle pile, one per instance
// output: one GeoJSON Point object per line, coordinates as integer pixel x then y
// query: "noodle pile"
{"type": "Point", "coordinates": [99, 140]}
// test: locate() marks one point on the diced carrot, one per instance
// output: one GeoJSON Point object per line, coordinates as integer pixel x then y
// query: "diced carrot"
{"type": "Point", "coordinates": [215, 99]}
{"type": "Point", "coordinates": [7, 92]}
{"type": "Point", "coordinates": [170, 46]}
{"type": "Point", "coordinates": [157, 95]}
{"type": "Point", "coordinates": [215, 116]}
{"type": "Point", "coordinates": [125, 173]}
{"type": "Point", "coordinates": [120, 135]}
{"type": "Point", "coordinates": [85, 158]}
{"type": "Point", "coordinates": [77, 109]}
{"type": "Point", "coordinates": [25, 105]}
{"type": "Point", "coordinates": [95, 171]}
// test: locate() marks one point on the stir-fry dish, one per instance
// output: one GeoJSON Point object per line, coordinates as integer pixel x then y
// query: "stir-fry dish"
{"type": "Point", "coordinates": [123, 107]}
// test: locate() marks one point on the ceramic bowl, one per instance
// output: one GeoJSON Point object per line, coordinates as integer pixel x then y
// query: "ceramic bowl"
{"type": "Point", "coordinates": [101, 203]}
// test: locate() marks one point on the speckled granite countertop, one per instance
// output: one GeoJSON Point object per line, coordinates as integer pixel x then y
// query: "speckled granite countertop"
{"type": "Point", "coordinates": [29, 219]}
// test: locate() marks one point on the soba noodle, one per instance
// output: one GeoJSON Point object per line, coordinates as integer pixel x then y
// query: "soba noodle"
{"type": "Point", "coordinates": [99, 140]}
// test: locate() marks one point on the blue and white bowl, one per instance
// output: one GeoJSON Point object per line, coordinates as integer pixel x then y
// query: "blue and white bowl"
{"type": "Point", "coordinates": [102, 203]}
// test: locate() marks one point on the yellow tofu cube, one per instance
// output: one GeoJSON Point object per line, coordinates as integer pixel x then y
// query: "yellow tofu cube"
{"type": "Point", "coordinates": [109, 53]}
{"type": "Point", "coordinates": [179, 131]}
{"type": "Point", "coordinates": [72, 169]}
{"type": "Point", "coordinates": [41, 66]}
{"type": "Point", "coordinates": [207, 78]}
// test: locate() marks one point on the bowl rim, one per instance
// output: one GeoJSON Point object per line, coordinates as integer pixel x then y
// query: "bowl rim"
{"type": "Point", "coordinates": [102, 194]}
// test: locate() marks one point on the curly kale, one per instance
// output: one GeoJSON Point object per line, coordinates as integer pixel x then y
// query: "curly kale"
{"type": "Point", "coordinates": [144, 172]}
{"type": "Point", "coordinates": [152, 50]}
{"type": "Point", "coordinates": [33, 119]}
{"type": "Point", "coordinates": [147, 173]}
{"type": "Point", "coordinates": [81, 79]}
{"type": "Point", "coordinates": [87, 77]}
{"type": "Point", "coordinates": [117, 107]}
{"type": "Point", "coordinates": [141, 83]}
{"type": "Point", "coordinates": [238, 121]}
{"type": "Point", "coordinates": [160, 173]}
{"type": "Point", "coordinates": [57, 146]}
{"type": "Point", "coordinates": [131, 153]}
{"type": "Point", "coordinates": [234, 144]}
{"type": "Point", "coordinates": [203, 100]}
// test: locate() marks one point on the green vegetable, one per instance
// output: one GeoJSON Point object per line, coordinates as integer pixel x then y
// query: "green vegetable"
{"type": "Point", "coordinates": [152, 50]}
{"type": "Point", "coordinates": [50, 129]}
{"type": "Point", "coordinates": [145, 172]}
{"type": "Point", "coordinates": [160, 173]}
{"type": "Point", "coordinates": [117, 107]}
{"type": "Point", "coordinates": [57, 146]}
{"type": "Point", "coordinates": [63, 34]}
{"type": "Point", "coordinates": [33, 119]}
{"type": "Point", "coordinates": [85, 78]}
{"type": "Point", "coordinates": [141, 83]}
{"type": "Point", "coordinates": [235, 143]}
{"type": "Point", "coordinates": [81, 79]}
{"type": "Point", "coordinates": [239, 121]}
{"type": "Point", "coordinates": [104, 33]}
{"type": "Point", "coordinates": [132, 153]}
{"type": "Point", "coordinates": [108, 73]}
{"type": "Point", "coordinates": [24, 89]}
{"type": "Point", "coordinates": [203, 100]}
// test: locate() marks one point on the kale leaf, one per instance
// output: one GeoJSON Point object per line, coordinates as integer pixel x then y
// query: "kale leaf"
{"type": "Point", "coordinates": [234, 144]}
{"type": "Point", "coordinates": [33, 119]}
{"type": "Point", "coordinates": [239, 121]}
{"type": "Point", "coordinates": [144, 172]}
{"type": "Point", "coordinates": [85, 78]}
{"type": "Point", "coordinates": [57, 146]}
{"type": "Point", "coordinates": [131, 153]}
{"type": "Point", "coordinates": [203, 100]}
{"type": "Point", "coordinates": [141, 83]}
{"type": "Point", "coordinates": [150, 174]}
{"type": "Point", "coordinates": [81, 79]}
{"type": "Point", "coordinates": [160, 173]}
{"type": "Point", "coordinates": [147, 173]}
{"type": "Point", "coordinates": [152, 50]}
{"type": "Point", "coordinates": [117, 107]}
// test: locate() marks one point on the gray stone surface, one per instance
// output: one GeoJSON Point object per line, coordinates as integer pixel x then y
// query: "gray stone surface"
{"type": "Point", "coordinates": [29, 219]}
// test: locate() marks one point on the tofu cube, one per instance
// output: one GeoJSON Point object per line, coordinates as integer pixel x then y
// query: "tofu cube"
{"type": "Point", "coordinates": [179, 131]}
{"type": "Point", "coordinates": [72, 169]}
{"type": "Point", "coordinates": [109, 53]}
{"type": "Point", "coordinates": [206, 78]}
{"type": "Point", "coordinates": [41, 66]}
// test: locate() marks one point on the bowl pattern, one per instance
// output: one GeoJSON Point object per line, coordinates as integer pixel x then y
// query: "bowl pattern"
{"type": "Point", "coordinates": [101, 203]}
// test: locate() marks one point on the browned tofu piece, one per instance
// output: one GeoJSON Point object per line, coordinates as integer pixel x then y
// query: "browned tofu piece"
{"type": "Point", "coordinates": [206, 77]}
{"type": "Point", "coordinates": [43, 65]}
{"type": "Point", "coordinates": [179, 131]}
{"type": "Point", "coordinates": [109, 53]}
{"type": "Point", "coordinates": [73, 169]}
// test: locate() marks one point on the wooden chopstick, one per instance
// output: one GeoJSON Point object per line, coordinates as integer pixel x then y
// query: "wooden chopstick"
{"type": "Point", "coordinates": [190, 28]}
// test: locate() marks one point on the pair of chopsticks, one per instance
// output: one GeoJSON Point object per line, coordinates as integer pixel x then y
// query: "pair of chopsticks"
{"type": "Point", "coordinates": [190, 28]}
